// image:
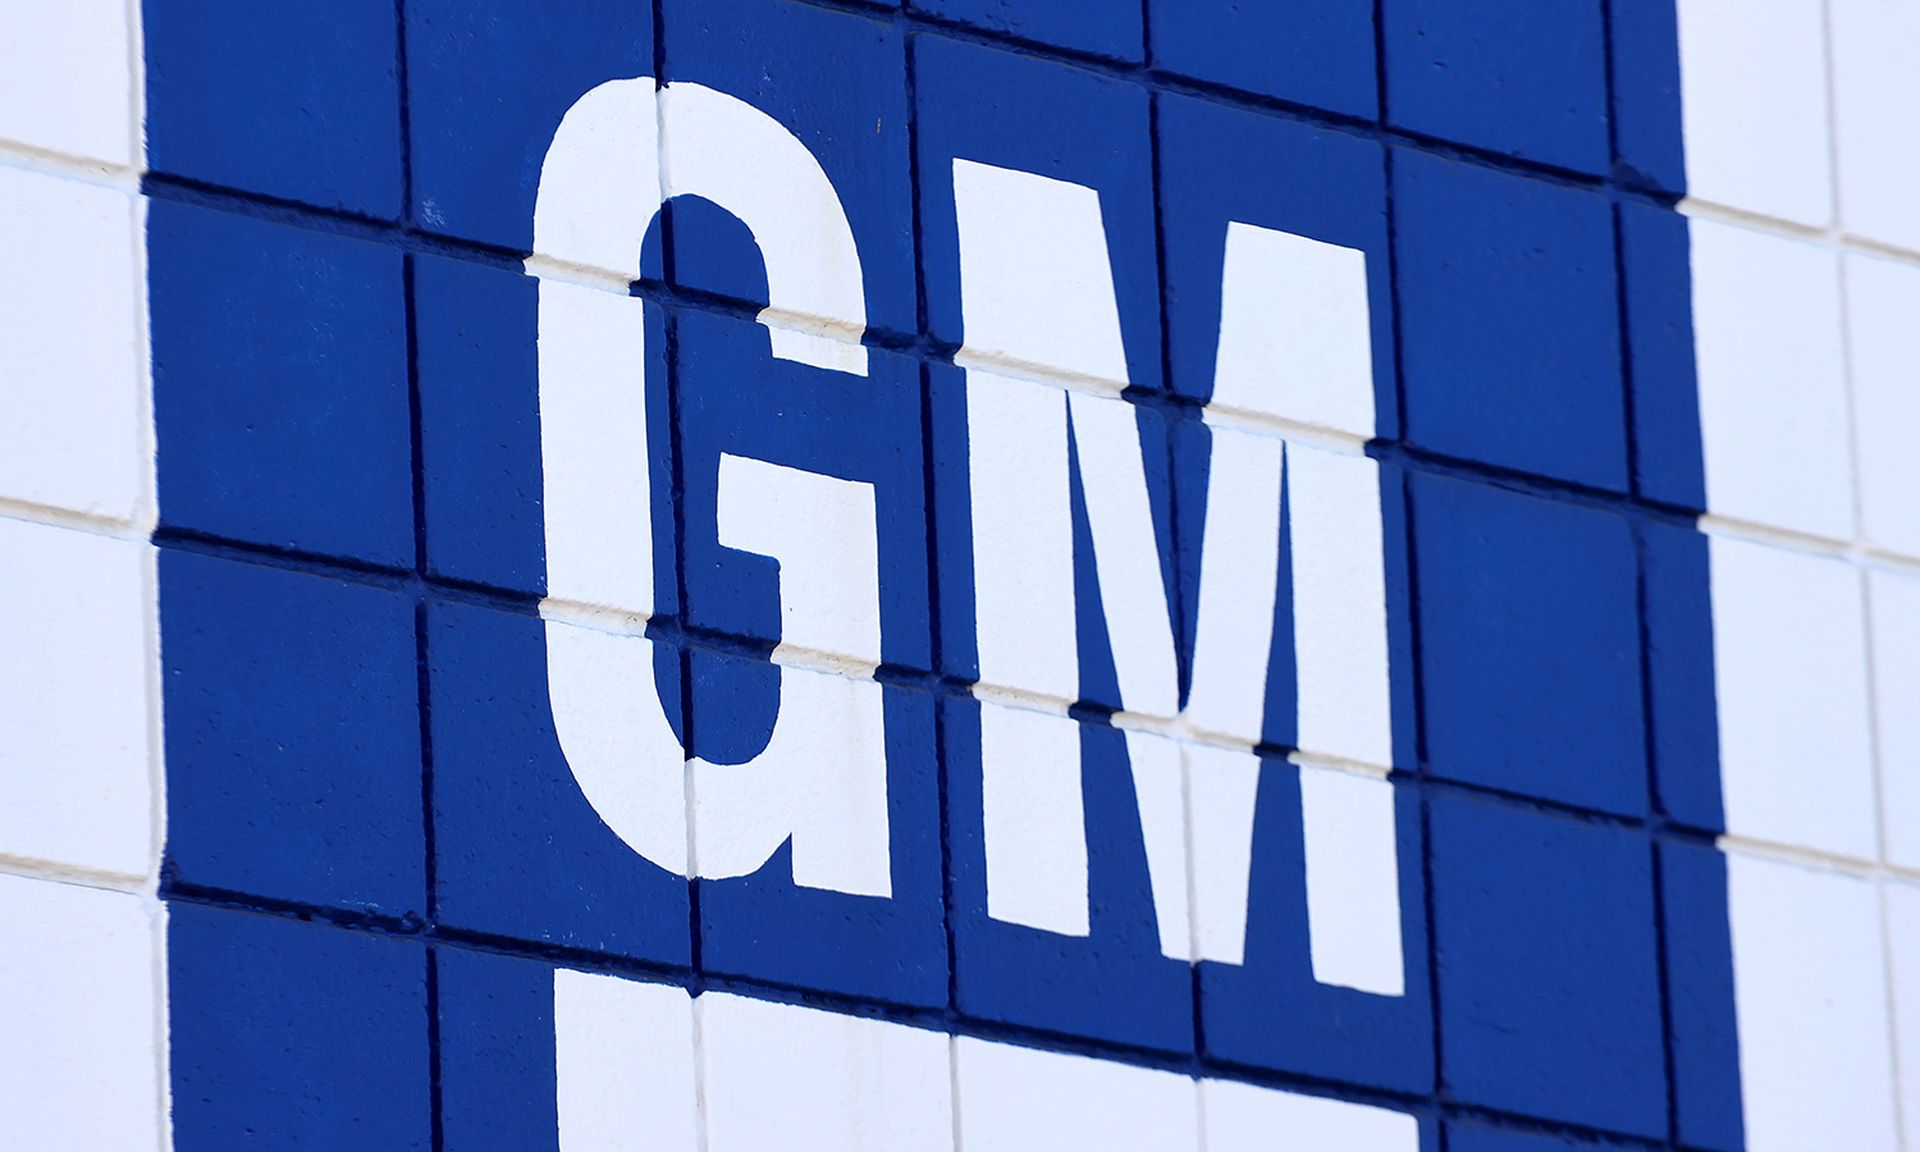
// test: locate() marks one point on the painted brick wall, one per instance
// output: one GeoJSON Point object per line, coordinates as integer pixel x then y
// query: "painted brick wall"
{"type": "Point", "coordinates": [1582, 809]}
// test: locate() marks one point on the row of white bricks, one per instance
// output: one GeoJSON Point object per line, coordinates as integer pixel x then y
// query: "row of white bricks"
{"type": "Point", "coordinates": [1800, 150]}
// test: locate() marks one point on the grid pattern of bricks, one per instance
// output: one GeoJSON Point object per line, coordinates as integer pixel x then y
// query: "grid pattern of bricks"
{"type": "Point", "coordinates": [1455, 144]}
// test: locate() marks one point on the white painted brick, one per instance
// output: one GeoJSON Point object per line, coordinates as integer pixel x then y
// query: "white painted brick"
{"type": "Point", "coordinates": [77, 1013]}
{"type": "Point", "coordinates": [1753, 82]}
{"type": "Point", "coordinates": [1772, 375]}
{"type": "Point", "coordinates": [75, 785]}
{"type": "Point", "coordinates": [1015, 1099]}
{"type": "Point", "coordinates": [623, 1064]}
{"type": "Point", "coordinates": [1883, 334]}
{"type": "Point", "coordinates": [71, 415]}
{"type": "Point", "coordinates": [1816, 1066]}
{"type": "Point", "coordinates": [1876, 84]}
{"type": "Point", "coordinates": [1243, 1118]}
{"type": "Point", "coordinates": [1903, 953]}
{"type": "Point", "coordinates": [66, 77]}
{"type": "Point", "coordinates": [1790, 672]}
{"type": "Point", "coordinates": [781, 1076]}
{"type": "Point", "coordinates": [1894, 606]}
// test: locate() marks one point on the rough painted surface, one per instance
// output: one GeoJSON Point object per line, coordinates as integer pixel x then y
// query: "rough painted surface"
{"type": "Point", "coordinates": [959, 574]}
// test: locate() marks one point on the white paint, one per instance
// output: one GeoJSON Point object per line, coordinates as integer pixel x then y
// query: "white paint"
{"type": "Point", "coordinates": [75, 762]}
{"type": "Point", "coordinates": [65, 81]}
{"type": "Point", "coordinates": [1894, 599]}
{"type": "Point", "coordinates": [1753, 81]}
{"type": "Point", "coordinates": [73, 421]}
{"type": "Point", "coordinates": [78, 1014]}
{"type": "Point", "coordinates": [623, 1064]}
{"type": "Point", "coordinates": [594, 454]}
{"type": "Point", "coordinates": [1239, 585]}
{"type": "Point", "coordinates": [1790, 667]}
{"type": "Point", "coordinates": [1126, 553]}
{"type": "Point", "coordinates": [1036, 293]}
{"type": "Point", "coordinates": [617, 739]}
{"type": "Point", "coordinates": [1771, 366]}
{"type": "Point", "coordinates": [725, 150]}
{"type": "Point", "coordinates": [1883, 346]}
{"type": "Point", "coordinates": [1022, 535]}
{"type": "Point", "coordinates": [1876, 89]}
{"type": "Point", "coordinates": [602, 183]}
{"type": "Point", "coordinates": [641, 1068]}
{"type": "Point", "coordinates": [1902, 905]}
{"type": "Point", "coordinates": [1036, 285]}
{"type": "Point", "coordinates": [777, 1076]}
{"type": "Point", "coordinates": [823, 532]}
{"type": "Point", "coordinates": [821, 781]}
{"type": "Point", "coordinates": [1810, 1000]}
{"type": "Point", "coordinates": [1340, 607]}
{"type": "Point", "coordinates": [1296, 338]}
{"type": "Point", "coordinates": [1034, 821]}
{"type": "Point", "coordinates": [1243, 1118]}
{"type": "Point", "coordinates": [1353, 881]}
{"type": "Point", "coordinates": [1157, 770]}
{"type": "Point", "coordinates": [1222, 785]}
{"type": "Point", "coordinates": [1018, 1099]}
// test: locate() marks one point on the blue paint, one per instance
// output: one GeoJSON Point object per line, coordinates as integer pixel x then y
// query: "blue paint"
{"type": "Point", "coordinates": [1656, 253]}
{"type": "Point", "coordinates": [297, 100]}
{"type": "Point", "coordinates": [1510, 333]}
{"type": "Point", "coordinates": [1270, 1012]}
{"type": "Point", "coordinates": [1706, 1043]}
{"type": "Point", "coordinates": [1315, 52]}
{"type": "Point", "coordinates": [280, 385]}
{"type": "Point", "coordinates": [519, 852]}
{"type": "Point", "coordinates": [1529, 645]}
{"type": "Point", "coordinates": [299, 1035]}
{"type": "Point", "coordinates": [1033, 115]}
{"type": "Point", "coordinates": [497, 1080]}
{"type": "Point", "coordinates": [1091, 27]}
{"type": "Point", "coordinates": [292, 736]}
{"type": "Point", "coordinates": [1523, 77]}
{"type": "Point", "coordinates": [838, 82]}
{"type": "Point", "coordinates": [1221, 165]}
{"type": "Point", "coordinates": [487, 86]}
{"type": "Point", "coordinates": [1548, 963]}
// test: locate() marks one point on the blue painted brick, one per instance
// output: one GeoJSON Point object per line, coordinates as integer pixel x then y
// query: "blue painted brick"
{"type": "Point", "coordinates": [1655, 256]}
{"type": "Point", "coordinates": [297, 99]}
{"type": "Point", "coordinates": [1510, 333]}
{"type": "Point", "coordinates": [304, 1035]}
{"type": "Point", "coordinates": [838, 82]}
{"type": "Point", "coordinates": [498, 1084]}
{"type": "Point", "coordinates": [1547, 958]}
{"type": "Point", "coordinates": [1113, 984]}
{"type": "Point", "coordinates": [1706, 1040]}
{"type": "Point", "coordinates": [292, 735]}
{"type": "Point", "coordinates": [979, 104]}
{"type": "Point", "coordinates": [1680, 676]}
{"type": "Point", "coordinates": [736, 399]}
{"type": "Point", "coordinates": [477, 361]}
{"type": "Point", "coordinates": [519, 851]}
{"type": "Point", "coordinates": [1093, 27]}
{"type": "Point", "coordinates": [478, 367]}
{"type": "Point", "coordinates": [1270, 1012]}
{"type": "Point", "coordinates": [1524, 77]}
{"type": "Point", "coordinates": [1529, 644]}
{"type": "Point", "coordinates": [765, 926]}
{"type": "Point", "coordinates": [488, 84]}
{"type": "Point", "coordinates": [1315, 52]}
{"type": "Point", "coordinates": [1646, 93]}
{"type": "Point", "coordinates": [1221, 165]}
{"type": "Point", "coordinates": [280, 385]}
{"type": "Point", "coordinates": [1477, 1138]}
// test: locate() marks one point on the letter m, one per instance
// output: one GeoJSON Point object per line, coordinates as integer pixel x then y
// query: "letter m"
{"type": "Point", "coordinates": [1291, 411]}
